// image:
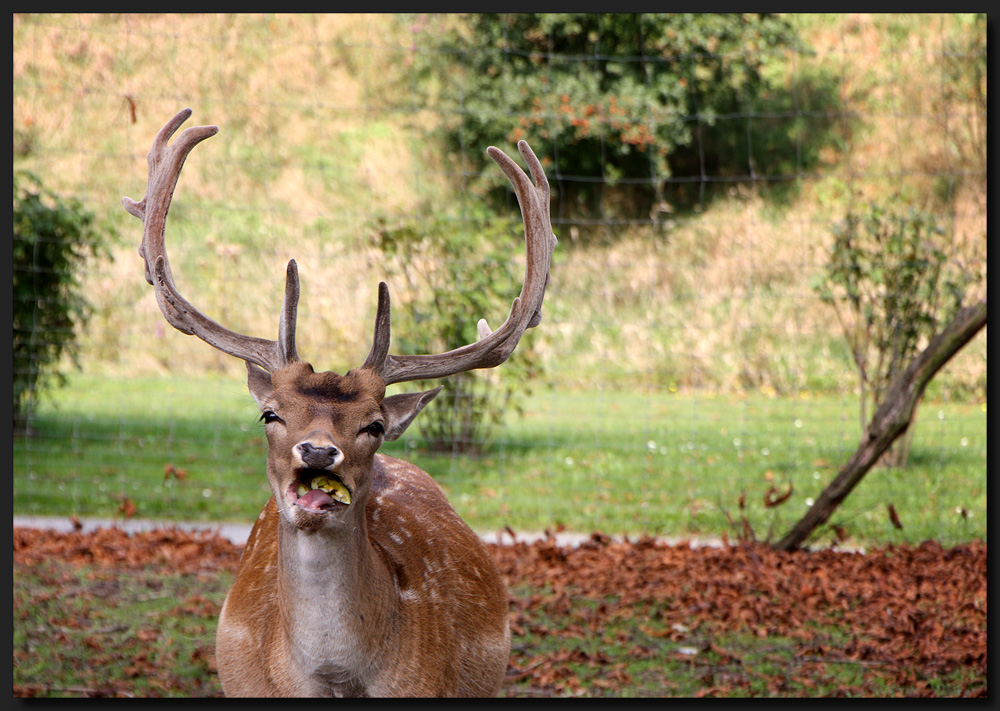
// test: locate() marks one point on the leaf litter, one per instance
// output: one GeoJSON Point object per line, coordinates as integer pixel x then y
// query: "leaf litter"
{"type": "Point", "coordinates": [606, 617]}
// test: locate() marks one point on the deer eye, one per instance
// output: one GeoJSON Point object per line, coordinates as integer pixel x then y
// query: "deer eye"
{"type": "Point", "coordinates": [375, 429]}
{"type": "Point", "coordinates": [268, 417]}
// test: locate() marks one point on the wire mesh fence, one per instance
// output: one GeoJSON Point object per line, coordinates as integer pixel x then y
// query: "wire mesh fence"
{"type": "Point", "coordinates": [686, 373]}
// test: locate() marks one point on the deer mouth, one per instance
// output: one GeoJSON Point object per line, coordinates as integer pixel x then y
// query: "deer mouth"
{"type": "Point", "coordinates": [320, 490]}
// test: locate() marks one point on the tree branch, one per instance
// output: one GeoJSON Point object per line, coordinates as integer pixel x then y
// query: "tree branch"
{"type": "Point", "coordinates": [891, 419]}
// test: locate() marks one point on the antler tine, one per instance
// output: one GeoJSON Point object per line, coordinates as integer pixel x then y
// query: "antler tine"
{"type": "Point", "coordinates": [380, 343]}
{"type": "Point", "coordinates": [289, 315]}
{"type": "Point", "coordinates": [165, 163]}
{"type": "Point", "coordinates": [534, 201]}
{"type": "Point", "coordinates": [494, 347]}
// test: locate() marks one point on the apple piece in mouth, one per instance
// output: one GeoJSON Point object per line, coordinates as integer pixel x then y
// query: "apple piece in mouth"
{"type": "Point", "coordinates": [322, 491]}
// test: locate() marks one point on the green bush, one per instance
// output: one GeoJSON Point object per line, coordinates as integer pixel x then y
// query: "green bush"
{"type": "Point", "coordinates": [893, 288]}
{"type": "Point", "coordinates": [52, 239]}
{"type": "Point", "coordinates": [455, 268]}
{"type": "Point", "coordinates": [615, 98]}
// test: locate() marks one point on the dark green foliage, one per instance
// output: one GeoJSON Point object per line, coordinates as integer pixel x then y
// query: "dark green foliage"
{"type": "Point", "coordinates": [52, 239]}
{"type": "Point", "coordinates": [457, 267]}
{"type": "Point", "coordinates": [650, 103]}
{"type": "Point", "coordinates": [892, 286]}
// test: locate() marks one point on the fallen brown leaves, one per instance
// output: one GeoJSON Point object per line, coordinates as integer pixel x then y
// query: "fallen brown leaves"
{"type": "Point", "coordinates": [914, 611]}
{"type": "Point", "coordinates": [907, 614]}
{"type": "Point", "coordinates": [170, 549]}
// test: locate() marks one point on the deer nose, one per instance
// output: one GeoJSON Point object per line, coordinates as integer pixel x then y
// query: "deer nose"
{"type": "Point", "coordinates": [318, 457]}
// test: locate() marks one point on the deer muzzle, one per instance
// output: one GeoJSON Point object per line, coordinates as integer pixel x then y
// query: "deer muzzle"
{"type": "Point", "coordinates": [319, 488]}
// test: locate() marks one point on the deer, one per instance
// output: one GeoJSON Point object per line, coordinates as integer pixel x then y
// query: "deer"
{"type": "Point", "coordinates": [358, 577]}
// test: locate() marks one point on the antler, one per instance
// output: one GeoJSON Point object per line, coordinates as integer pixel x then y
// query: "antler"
{"type": "Point", "coordinates": [494, 347]}
{"type": "Point", "coordinates": [165, 165]}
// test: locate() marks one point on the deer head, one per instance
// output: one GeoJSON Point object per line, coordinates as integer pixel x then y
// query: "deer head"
{"type": "Point", "coordinates": [323, 428]}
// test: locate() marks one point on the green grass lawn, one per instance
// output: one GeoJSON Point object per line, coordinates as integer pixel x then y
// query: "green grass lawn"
{"type": "Point", "coordinates": [656, 462]}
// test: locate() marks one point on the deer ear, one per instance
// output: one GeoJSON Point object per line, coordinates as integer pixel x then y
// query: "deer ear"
{"type": "Point", "coordinates": [259, 382]}
{"type": "Point", "coordinates": [401, 410]}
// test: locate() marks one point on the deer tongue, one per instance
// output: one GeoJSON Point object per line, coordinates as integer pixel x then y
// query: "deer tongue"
{"type": "Point", "coordinates": [315, 499]}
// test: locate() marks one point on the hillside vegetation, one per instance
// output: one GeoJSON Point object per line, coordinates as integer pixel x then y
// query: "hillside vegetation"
{"type": "Point", "coordinates": [319, 132]}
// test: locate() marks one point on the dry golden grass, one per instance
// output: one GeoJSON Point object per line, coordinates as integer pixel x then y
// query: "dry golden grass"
{"type": "Point", "coordinates": [311, 145]}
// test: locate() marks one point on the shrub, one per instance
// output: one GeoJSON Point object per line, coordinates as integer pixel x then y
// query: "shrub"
{"type": "Point", "coordinates": [456, 268]}
{"type": "Point", "coordinates": [52, 239]}
{"type": "Point", "coordinates": [892, 287]}
{"type": "Point", "coordinates": [610, 97]}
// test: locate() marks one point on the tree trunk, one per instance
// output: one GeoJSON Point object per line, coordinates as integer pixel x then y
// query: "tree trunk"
{"type": "Point", "coordinates": [890, 420]}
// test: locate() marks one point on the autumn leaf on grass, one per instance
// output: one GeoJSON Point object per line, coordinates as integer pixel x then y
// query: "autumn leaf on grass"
{"type": "Point", "coordinates": [147, 635]}
{"type": "Point", "coordinates": [127, 508]}
{"type": "Point", "coordinates": [894, 517]}
{"type": "Point", "coordinates": [170, 471]}
{"type": "Point", "coordinates": [676, 632]}
{"type": "Point", "coordinates": [649, 631]}
{"type": "Point", "coordinates": [771, 500]}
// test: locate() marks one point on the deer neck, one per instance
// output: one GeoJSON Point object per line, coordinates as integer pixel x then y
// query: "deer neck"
{"type": "Point", "coordinates": [335, 601]}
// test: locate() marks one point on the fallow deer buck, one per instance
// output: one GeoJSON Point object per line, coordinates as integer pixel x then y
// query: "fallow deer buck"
{"type": "Point", "coordinates": [358, 579]}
